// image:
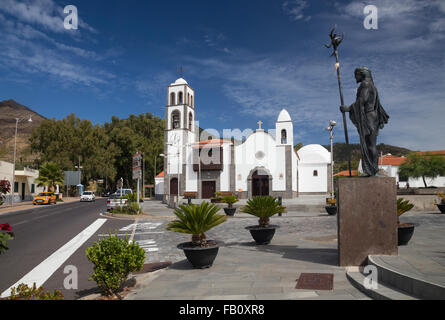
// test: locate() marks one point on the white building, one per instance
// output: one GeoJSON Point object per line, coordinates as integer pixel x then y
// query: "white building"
{"type": "Point", "coordinates": [390, 164]}
{"type": "Point", "coordinates": [24, 188]}
{"type": "Point", "coordinates": [263, 164]}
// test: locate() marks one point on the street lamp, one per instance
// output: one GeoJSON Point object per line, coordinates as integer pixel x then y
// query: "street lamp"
{"type": "Point", "coordinates": [332, 124]}
{"type": "Point", "coordinates": [17, 120]}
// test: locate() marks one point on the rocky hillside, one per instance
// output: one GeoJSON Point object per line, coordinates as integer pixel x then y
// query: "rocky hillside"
{"type": "Point", "coordinates": [9, 111]}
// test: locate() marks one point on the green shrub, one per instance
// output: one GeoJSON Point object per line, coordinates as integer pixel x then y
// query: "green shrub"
{"type": "Point", "coordinates": [195, 220]}
{"type": "Point", "coordinates": [132, 209]}
{"type": "Point", "coordinates": [23, 292]}
{"type": "Point", "coordinates": [403, 206]}
{"type": "Point", "coordinates": [230, 200]}
{"type": "Point", "coordinates": [263, 208]}
{"type": "Point", "coordinates": [114, 259]}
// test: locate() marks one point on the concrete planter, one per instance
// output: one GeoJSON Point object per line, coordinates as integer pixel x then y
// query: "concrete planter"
{"type": "Point", "coordinates": [200, 258]}
{"type": "Point", "coordinates": [261, 235]}
{"type": "Point", "coordinates": [331, 210]}
{"type": "Point", "coordinates": [441, 207]}
{"type": "Point", "coordinates": [405, 233]}
{"type": "Point", "coordinates": [230, 211]}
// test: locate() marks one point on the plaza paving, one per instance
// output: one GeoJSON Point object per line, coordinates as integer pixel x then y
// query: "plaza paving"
{"type": "Point", "coordinates": [305, 243]}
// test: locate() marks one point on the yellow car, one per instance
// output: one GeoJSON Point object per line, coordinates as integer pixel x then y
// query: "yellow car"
{"type": "Point", "coordinates": [44, 198]}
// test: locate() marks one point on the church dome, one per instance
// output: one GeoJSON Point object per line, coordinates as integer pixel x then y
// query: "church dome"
{"type": "Point", "coordinates": [180, 81]}
{"type": "Point", "coordinates": [314, 153]}
{"type": "Point", "coordinates": [284, 116]}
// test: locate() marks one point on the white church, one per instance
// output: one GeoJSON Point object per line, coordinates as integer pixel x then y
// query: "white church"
{"type": "Point", "coordinates": [260, 164]}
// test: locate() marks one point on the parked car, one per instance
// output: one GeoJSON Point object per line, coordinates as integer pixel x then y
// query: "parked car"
{"type": "Point", "coordinates": [106, 194]}
{"type": "Point", "coordinates": [115, 201]}
{"type": "Point", "coordinates": [124, 191]}
{"type": "Point", "coordinates": [87, 196]}
{"type": "Point", "coordinates": [44, 198]}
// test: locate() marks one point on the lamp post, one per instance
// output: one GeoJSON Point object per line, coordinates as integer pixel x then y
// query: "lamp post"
{"type": "Point", "coordinates": [332, 124]}
{"type": "Point", "coordinates": [17, 120]}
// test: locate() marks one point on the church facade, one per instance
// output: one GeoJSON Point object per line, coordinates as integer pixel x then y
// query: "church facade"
{"type": "Point", "coordinates": [260, 164]}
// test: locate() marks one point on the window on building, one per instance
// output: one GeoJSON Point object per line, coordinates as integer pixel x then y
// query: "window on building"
{"type": "Point", "coordinates": [315, 173]}
{"type": "Point", "coordinates": [180, 98]}
{"type": "Point", "coordinates": [188, 99]}
{"type": "Point", "coordinates": [190, 121]}
{"type": "Point", "coordinates": [176, 119]}
{"type": "Point", "coordinates": [191, 101]}
{"type": "Point", "coordinates": [283, 137]}
{"type": "Point", "coordinates": [172, 99]}
{"type": "Point", "coordinates": [33, 188]}
{"type": "Point", "coordinates": [16, 186]}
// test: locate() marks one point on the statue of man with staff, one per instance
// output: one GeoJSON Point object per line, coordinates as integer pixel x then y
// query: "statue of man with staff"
{"type": "Point", "coordinates": [368, 116]}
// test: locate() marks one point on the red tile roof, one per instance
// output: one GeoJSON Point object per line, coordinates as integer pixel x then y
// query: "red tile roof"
{"type": "Point", "coordinates": [346, 173]}
{"type": "Point", "coordinates": [161, 175]}
{"type": "Point", "coordinates": [210, 143]}
{"type": "Point", "coordinates": [390, 160]}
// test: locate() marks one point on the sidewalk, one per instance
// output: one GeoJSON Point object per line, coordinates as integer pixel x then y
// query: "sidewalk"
{"type": "Point", "coordinates": [245, 271]}
{"type": "Point", "coordinates": [22, 206]}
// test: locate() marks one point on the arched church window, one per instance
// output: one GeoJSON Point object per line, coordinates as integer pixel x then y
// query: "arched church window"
{"type": "Point", "coordinates": [172, 99]}
{"type": "Point", "coordinates": [176, 119]}
{"type": "Point", "coordinates": [180, 98]}
{"type": "Point", "coordinates": [315, 173]}
{"type": "Point", "coordinates": [191, 101]}
{"type": "Point", "coordinates": [283, 137]}
{"type": "Point", "coordinates": [188, 99]}
{"type": "Point", "coordinates": [190, 121]}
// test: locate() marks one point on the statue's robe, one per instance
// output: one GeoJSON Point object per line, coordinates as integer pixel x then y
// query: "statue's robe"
{"type": "Point", "coordinates": [368, 115]}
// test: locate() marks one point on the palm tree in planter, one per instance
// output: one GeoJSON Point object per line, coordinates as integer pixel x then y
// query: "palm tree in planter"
{"type": "Point", "coordinates": [404, 231]}
{"type": "Point", "coordinates": [263, 208]}
{"type": "Point", "coordinates": [230, 200]}
{"type": "Point", "coordinates": [49, 176]}
{"type": "Point", "coordinates": [196, 220]}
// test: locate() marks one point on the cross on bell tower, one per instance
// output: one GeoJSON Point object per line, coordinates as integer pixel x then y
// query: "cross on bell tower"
{"type": "Point", "coordinates": [180, 72]}
{"type": "Point", "coordinates": [259, 125]}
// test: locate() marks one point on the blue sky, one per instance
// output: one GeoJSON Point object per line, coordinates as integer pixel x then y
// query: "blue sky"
{"type": "Point", "coordinates": [246, 60]}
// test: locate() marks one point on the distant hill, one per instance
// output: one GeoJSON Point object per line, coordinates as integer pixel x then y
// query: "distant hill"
{"type": "Point", "coordinates": [340, 151]}
{"type": "Point", "coordinates": [9, 111]}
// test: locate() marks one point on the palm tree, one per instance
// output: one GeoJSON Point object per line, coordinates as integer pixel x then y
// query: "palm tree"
{"type": "Point", "coordinates": [195, 220]}
{"type": "Point", "coordinates": [263, 208]}
{"type": "Point", "coordinates": [49, 176]}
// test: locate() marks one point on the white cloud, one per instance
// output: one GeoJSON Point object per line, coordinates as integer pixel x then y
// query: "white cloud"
{"type": "Point", "coordinates": [295, 8]}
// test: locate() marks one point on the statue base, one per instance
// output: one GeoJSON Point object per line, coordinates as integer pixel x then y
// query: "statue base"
{"type": "Point", "coordinates": [367, 219]}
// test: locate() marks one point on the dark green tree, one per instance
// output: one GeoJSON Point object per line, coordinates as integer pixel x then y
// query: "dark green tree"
{"type": "Point", "coordinates": [423, 166]}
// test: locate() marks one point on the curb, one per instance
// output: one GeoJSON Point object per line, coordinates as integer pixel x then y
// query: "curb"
{"type": "Point", "coordinates": [408, 283]}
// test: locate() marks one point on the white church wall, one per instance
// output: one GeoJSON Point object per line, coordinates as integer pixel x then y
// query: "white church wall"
{"type": "Point", "coordinates": [294, 171]}
{"type": "Point", "coordinates": [259, 150]}
{"type": "Point", "coordinates": [225, 173]}
{"type": "Point", "coordinates": [308, 182]}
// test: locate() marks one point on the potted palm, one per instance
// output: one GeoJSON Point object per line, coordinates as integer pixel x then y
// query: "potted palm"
{"type": "Point", "coordinates": [217, 198]}
{"type": "Point", "coordinates": [331, 207]}
{"type": "Point", "coordinates": [405, 231]}
{"type": "Point", "coordinates": [230, 200]}
{"type": "Point", "coordinates": [441, 205]}
{"type": "Point", "coordinates": [196, 220]}
{"type": "Point", "coordinates": [263, 208]}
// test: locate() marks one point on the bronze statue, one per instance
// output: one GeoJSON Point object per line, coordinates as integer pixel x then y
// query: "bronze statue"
{"type": "Point", "coordinates": [368, 115]}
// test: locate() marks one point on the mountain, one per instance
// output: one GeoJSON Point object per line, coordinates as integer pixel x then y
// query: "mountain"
{"type": "Point", "coordinates": [340, 151]}
{"type": "Point", "coordinates": [10, 110]}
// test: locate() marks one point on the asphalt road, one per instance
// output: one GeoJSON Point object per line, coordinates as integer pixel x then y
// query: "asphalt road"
{"type": "Point", "coordinates": [53, 236]}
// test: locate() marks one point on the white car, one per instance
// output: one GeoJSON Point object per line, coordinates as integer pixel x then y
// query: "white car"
{"type": "Point", "coordinates": [88, 196]}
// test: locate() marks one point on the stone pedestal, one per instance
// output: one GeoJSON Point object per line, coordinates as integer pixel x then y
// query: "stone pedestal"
{"type": "Point", "coordinates": [367, 219]}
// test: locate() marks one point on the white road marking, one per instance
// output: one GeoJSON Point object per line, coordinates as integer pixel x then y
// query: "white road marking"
{"type": "Point", "coordinates": [45, 269]}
